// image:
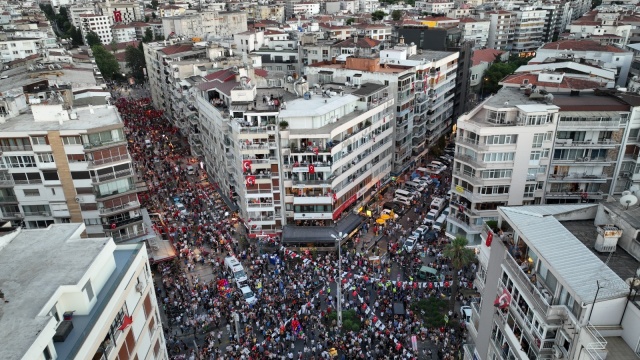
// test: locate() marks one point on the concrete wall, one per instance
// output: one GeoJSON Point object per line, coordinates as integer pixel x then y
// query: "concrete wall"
{"type": "Point", "coordinates": [631, 325]}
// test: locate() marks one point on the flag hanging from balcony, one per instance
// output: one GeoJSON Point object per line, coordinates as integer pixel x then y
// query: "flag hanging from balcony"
{"type": "Point", "coordinates": [503, 301]}
{"type": "Point", "coordinates": [251, 180]}
{"type": "Point", "coordinates": [126, 322]}
{"type": "Point", "coordinates": [489, 238]}
{"type": "Point", "coordinates": [312, 169]}
{"type": "Point", "coordinates": [335, 197]}
{"type": "Point", "coordinates": [246, 165]}
{"type": "Point", "coordinates": [316, 150]}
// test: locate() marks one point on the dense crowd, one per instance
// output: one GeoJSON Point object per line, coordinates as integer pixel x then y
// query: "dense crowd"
{"type": "Point", "coordinates": [296, 293]}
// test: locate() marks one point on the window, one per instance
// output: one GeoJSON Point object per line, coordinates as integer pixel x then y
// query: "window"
{"type": "Point", "coordinates": [45, 157]}
{"type": "Point", "coordinates": [497, 117]}
{"type": "Point", "coordinates": [72, 140]}
{"type": "Point", "coordinates": [42, 210]}
{"type": "Point", "coordinates": [50, 175]}
{"type": "Point", "coordinates": [31, 192]}
{"type": "Point", "coordinates": [529, 189]}
{"type": "Point", "coordinates": [76, 158]}
{"type": "Point", "coordinates": [39, 140]}
{"type": "Point", "coordinates": [20, 161]}
{"type": "Point", "coordinates": [80, 175]}
{"type": "Point", "coordinates": [496, 174]}
{"type": "Point", "coordinates": [95, 221]}
{"type": "Point", "coordinates": [495, 190]}
{"type": "Point", "coordinates": [47, 353]}
{"type": "Point", "coordinates": [535, 119]}
{"type": "Point", "coordinates": [498, 157]}
{"type": "Point", "coordinates": [538, 139]}
{"type": "Point", "coordinates": [500, 139]}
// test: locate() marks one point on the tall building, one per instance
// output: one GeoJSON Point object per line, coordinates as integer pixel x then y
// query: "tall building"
{"type": "Point", "coordinates": [502, 29]}
{"type": "Point", "coordinates": [61, 164]}
{"type": "Point", "coordinates": [520, 148]}
{"type": "Point", "coordinates": [99, 24]}
{"type": "Point", "coordinates": [546, 294]}
{"type": "Point", "coordinates": [64, 297]}
{"type": "Point", "coordinates": [205, 24]}
{"type": "Point", "coordinates": [529, 30]}
{"type": "Point", "coordinates": [122, 11]}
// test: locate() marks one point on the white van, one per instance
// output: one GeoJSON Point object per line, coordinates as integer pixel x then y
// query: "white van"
{"type": "Point", "coordinates": [191, 170]}
{"type": "Point", "coordinates": [438, 204]}
{"type": "Point", "coordinates": [414, 186]}
{"type": "Point", "coordinates": [438, 164]}
{"type": "Point", "coordinates": [248, 295]}
{"type": "Point", "coordinates": [234, 267]}
{"type": "Point", "coordinates": [439, 224]}
{"type": "Point", "coordinates": [404, 194]}
{"type": "Point", "coordinates": [432, 216]}
{"type": "Point", "coordinates": [402, 200]}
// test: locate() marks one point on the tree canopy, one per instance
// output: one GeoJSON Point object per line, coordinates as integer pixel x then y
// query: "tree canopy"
{"type": "Point", "coordinates": [460, 256]}
{"type": "Point", "coordinates": [93, 39]}
{"type": "Point", "coordinates": [396, 15]}
{"type": "Point", "coordinates": [378, 15]}
{"type": "Point", "coordinates": [498, 70]}
{"type": "Point", "coordinates": [106, 61]}
{"type": "Point", "coordinates": [134, 58]}
{"type": "Point", "coordinates": [148, 35]}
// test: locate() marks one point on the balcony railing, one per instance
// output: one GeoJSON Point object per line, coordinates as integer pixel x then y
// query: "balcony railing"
{"type": "Point", "coordinates": [112, 175]}
{"type": "Point", "coordinates": [28, 182]}
{"type": "Point", "coordinates": [114, 209]}
{"type": "Point", "coordinates": [98, 144]}
{"type": "Point", "coordinates": [37, 213]}
{"type": "Point", "coordinates": [111, 159]}
{"type": "Point", "coordinates": [539, 302]}
{"type": "Point", "coordinates": [571, 177]}
{"type": "Point", "coordinates": [116, 192]}
{"type": "Point", "coordinates": [130, 235]}
{"type": "Point", "coordinates": [121, 223]}
{"type": "Point", "coordinates": [12, 214]}
{"type": "Point", "coordinates": [590, 124]}
{"type": "Point", "coordinates": [597, 347]}
{"type": "Point", "coordinates": [8, 198]}
{"type": "Point", "coordinates": [16, 148]}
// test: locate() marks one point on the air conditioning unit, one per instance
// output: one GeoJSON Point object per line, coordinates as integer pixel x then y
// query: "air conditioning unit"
{"type": "Point", "coordinates": [139, 287]}
{"type": "Point", "coordinates": [558, 352]}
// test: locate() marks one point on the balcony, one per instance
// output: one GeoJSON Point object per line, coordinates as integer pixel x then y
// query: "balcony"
{"type": "Point", "coordinates": [12, 215]}
{"type": "Point", "coordinates": [37, 213]}
{"type": "Point", "coordinates": [130, 235]}
{"type": "Point", "coordinates": [7, 181]}
{"type": "Point", "coordinates": [581, 125]}
{"type": "Point", "coordinates": [113, 175]}
{"type": "Point", "coordinates": [474, 180]}
{"type": "Point", "coordinates": [539, 301]}
{"type": "Point", "coordinates": [16, 148]}
{"type": "Point", "coordinates": [28, 182]}
{"type": "Point", "coordinates": [576, 177]}
{"type": "Point", "coordinates": [473, 143]}
{"type": "Point", "coordinates": [462, 224]}
{"type": "Point", "coordinates": [598, 195]}
{"type": "Point", "coordinates": [112, 159]}
{"type": "Point", "coordinates": [121, 223]}
{"type": "Point", "coordinates": [119, 208]}
{"type": "Point", "coordinates": [99, 144]}
{"type": "Point", "coordinates": [597, 346]}
{"type": "Point", "coordinates": [568, 143]}
{"type": "Point", "coordinates": [116, 192]}
{"type": "Point", "coordinates": [8, 199]}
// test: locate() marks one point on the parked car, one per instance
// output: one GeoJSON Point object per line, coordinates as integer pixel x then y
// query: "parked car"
{"type": "Point", "coordinates": [190, 170]}
{"type": "Point", "coordinates": [420, 232]}
{"type": "Point", "coordinates": [397, 208]}
{"type": "Point", "coordinates": [248, 295]}
{"type": "Point", "coordinates": [181, 208]}
{"type": "Point", "coordinates": [410, 243]}
{"type": "Point", "coordinates": [388, 212]}
{"type": "Point", "coordinates": [402, 200]}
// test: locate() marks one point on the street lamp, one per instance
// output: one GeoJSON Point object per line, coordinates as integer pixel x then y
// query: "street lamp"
{"type": "Point", "coordinates": [338, 240]}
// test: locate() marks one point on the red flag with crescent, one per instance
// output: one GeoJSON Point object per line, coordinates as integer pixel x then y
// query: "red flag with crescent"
{"type": "Point", "coordinates": [251, 180]}
{"type": "Point", "coordinates": [126, 322]}
{"type": "Point", "coordinates": [316, 150]}
{"type": "Point", "coordinates": [117, 16]}
{"type": "Point", "coordinates": [246, 165]}
{"type": "Point", "coordinates": [503, 300]}
{"type": "Point", "coordinates": [489, 238]}
{"type": "Point", "coordinates": [312, 169]}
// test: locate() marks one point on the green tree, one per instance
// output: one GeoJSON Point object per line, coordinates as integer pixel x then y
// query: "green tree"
{"type": "Point", "coordinates": [378, 15]}
{"type": "Point", "coordinates": [350, 320]}
{"type": "Point", "coordinates": [148, 35]}
{"type": "Point", "coordinates": [432, 311]}
{"type": "Point", "coordinates": [350, 21]}
{"type": "Point", "coordinates": [134, 58]}
{"type": "Point", "coordinates": [154, 4]}
{"type": "Point", "coordinates": [159, 37]}
{"type": "Point", "coordinates": [498, 71]}
{"type": "Point", "coordinates": [146, 18]}
{"type": "Point", "coordinates": [113, 46]}
{"type": "Point", "coordinates": [93, 39]}
{"type": "Point", "coordinates": [106, 61]}
{"type": "Point", "coordinates": [76, 36]}
{"type": "Point", "coordinates": [460, 256]}
{"type": "Point", "coordinates": [396, 15]}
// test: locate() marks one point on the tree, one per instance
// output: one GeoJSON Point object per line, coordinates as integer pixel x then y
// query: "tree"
{"type": "Point", "coordinates": [159, 37]}
{"type": "Point", "coordinates": [498, 71]}
{"type": "Point", "coordinates": [154, 4]}
{"type": "Point", "coordinates": [378, 15]}
{"type": "Point", "coordinates": [146, 18]}
{"type": "Point", "coordinates": [134, 58]}
{"type": "Point", "coordinates": [432, 310]}
{"type": "Point", "coordinates": [113, 46]}
{"type": "Point", "coordinates": [106, 61]}
{"type": "Point", "coordinates": [350, 21]}
{"type": "Point", "coordinates": [93, 39]}
{"type": "Point", "coordinates": [396, 15]}
{"type": "Point", "coordinates": [148, 35]}
{"type": "Point", "coordinates": [460, 256]}
{"type": "Point", "coordinates": [76, 36]}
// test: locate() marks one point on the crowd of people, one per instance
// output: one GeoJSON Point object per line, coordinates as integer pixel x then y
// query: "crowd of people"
{"type": "Point", "coordinates": [296, 293]}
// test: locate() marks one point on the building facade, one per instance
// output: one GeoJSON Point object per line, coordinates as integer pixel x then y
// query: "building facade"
{"type": "Point", "coordinates": [107, 288]}
{"type": "Point", "coordinates": [99, 24]}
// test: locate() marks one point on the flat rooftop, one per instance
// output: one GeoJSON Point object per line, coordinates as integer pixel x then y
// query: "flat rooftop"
{"type": "Point", "coordinates": [430, 55]}
{"type": "Point", "coordinates": [317, 105]}
{"type": "Point", "coordinates": [32, 267]}
{"type": "Point", "coordinates": [81, 74]}
{"type": "Point", "coordinates": [103, 115]}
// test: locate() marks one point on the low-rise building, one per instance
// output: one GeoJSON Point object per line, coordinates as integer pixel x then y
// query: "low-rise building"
{"type": "Point", "coordinates": [476, 31]}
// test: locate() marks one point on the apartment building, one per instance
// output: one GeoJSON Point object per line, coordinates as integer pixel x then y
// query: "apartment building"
{"type": "Point", "coordinates": [306, 8]}
{"type": "Point", "coordinates": [435, 7]}
{"type": "Point", "coordinates": [208, 24]}
{"type": "Point", "coordinates": [401, 81]}
{"type": "Point", "coordinates": [93, 300]}
{"type": "Point", "coordinates": [436, 73]}
{"type": "Point", "coordinates": [122, 11]}
{"type": "Point", "coordinates": [614, 25]}
{"type": "Point", "coordinates": [502, 29]}
{"type": "Point", "coordinates": [589, 52]}
{"type": "Point", "coordinates": [75, 11]}
{"type": "Point", "coordinates": [520, 147]}
{"type": "Point", "coordinates": [337, 147]}
{"type": "Point", "coordinates": [99, 24]}
{"type": "Point", "coordinates": [476, 31]}
{"type": "Point", "coordinates": [14, 49]}
{"type": "Point", "coordinates": [129, 32]}
{"type": "Point", "coordinates": [529, 30]}
{"type": "Point", "coordinates": [61, 164]}
{"type": "Point", "coordinates": [628, 173]}
{"type": "Point", "coordinates": [368, 6]}
{"type": "Point", "coordinates": [555, 297]}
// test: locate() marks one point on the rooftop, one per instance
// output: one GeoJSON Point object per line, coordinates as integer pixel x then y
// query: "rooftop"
{"type": "Point", "coordinates": [568, 82]}
{"type": "Point", "coordinates": [485, 55]}
{"type": "Point", "coordinates": [572, 262]}
{"type": "Point", "coordinates": [21, 76]}
{"type": "Point", "coordinates": [430, 55]}
{"type": "Point", "coordinates": [90, 117]}
{"type": "Point", "coordinates": [581, 45]}
{"type": "Point", "coordinates": [317, 105]}
{"type": "Point", "coordinates": [30, 275]}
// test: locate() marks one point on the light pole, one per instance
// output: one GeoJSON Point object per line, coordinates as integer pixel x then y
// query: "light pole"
{"type": "Point", "coordinates": [339, 239]}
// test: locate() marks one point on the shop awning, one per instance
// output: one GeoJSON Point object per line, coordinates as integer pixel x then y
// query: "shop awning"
{"type": "Point", "coordinates": [321, 234]}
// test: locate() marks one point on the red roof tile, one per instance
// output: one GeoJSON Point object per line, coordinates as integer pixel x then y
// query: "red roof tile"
{"type": "Point", "coordinates": [485, 55]}
{"type": "Point", "coordinates": [567, 82]}
{"type": "Point", "coordinates": [175, 49]}
{"type": "Point", "coordinates": [581, 45]}
{"type": "Point", "coordinates": [363, 43]}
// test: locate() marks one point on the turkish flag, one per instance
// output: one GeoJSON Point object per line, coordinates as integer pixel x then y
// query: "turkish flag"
{"type": "Point", "coordinates": [316, 150]}
{"type": "Point", "coordinates": [126, 322]}
{"type": "Point", "coordinates": [503, 300]}
{"type": "Point", "coordinates": [246, 165]}
{"type": "Point", "coordinates": [312, 169]}
{"type": "Point", "coordinates": [489, 238]}
{"type": "Point", "coordinates": [335, 197]}
{"type": "Point", "coordinates": [251, 180]}
{"type": "Point", "coordinates": [117, 16]}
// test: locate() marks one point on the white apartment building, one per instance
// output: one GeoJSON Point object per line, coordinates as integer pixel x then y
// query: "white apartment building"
{"type": "Point", "coordinates": [306, 8]}
{"type": "Point", "coordinates": [205, 24]}
{"type": "Point", "coordinates": [475, 30]}
{"type": "Point", "coordinates": [124, 33]}
{"type": "Point", "coordinates": [401, 81]}
{"type": "Point", "coordinates": [13, 49]}
{"type": "Point", "coordinates": [368, 6]}
{"type": "Point", "coordinates": [122, 11]}
{"type": "Point", "coordinates": [520, 148]}
{"type": "Point", "coordinates": [94, 300]}
{"type": "Point", "coordinates": [502, 29]}
{"type": "Point", "coordinates": [379, 32]}
{"type": "Point", "coordinates": [434, 92]}
{"type": "Point", "coordinates": [75, 11]}
{"type": "Point", "coordinates": [100, 24]}
{"type": "Point", "coordinates": [629, 169]}
{"type": "Point", "coordinates": [589, 52]}
{"type": "Point", "coordinates": [561, 300]}
{"type": "Point", "coordinates": [528, 30]}
{"type": "Point", "coordinates": [601, 24]}
{"type": "Point", "coordinates": [435, 7]}
{"type": "Point", "coordinates": [60, 165]}
{"type": "Point", "coordinates": [337, 147]}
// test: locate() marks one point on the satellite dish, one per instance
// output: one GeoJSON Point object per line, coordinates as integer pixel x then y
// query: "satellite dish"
{"type": "Point", "coordinates": [634, 189]}
{"type": "Point", "coordinates": [633, 282]}
{"type": "Point", "coordinates": [628, 200]}
{"type": "Point", "coordinates": [626, 192]}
